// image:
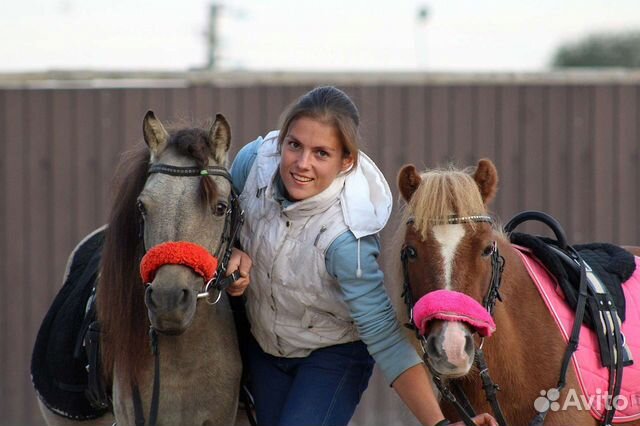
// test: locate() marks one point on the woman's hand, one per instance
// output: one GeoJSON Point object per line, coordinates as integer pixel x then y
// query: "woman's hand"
{"type": "Point", "coordinates": [241, 262]}
{"type": "Point", "coordinates": [481, 420]}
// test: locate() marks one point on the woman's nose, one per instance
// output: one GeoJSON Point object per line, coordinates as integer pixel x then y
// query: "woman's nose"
{"type": "Point", "coordinates": [303, 160]}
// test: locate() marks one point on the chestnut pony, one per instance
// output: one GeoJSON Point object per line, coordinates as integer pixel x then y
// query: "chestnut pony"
{"type": "Point", "coordinates": [172, 196]}
{"type": "Point", "coordinates": [450, 244]}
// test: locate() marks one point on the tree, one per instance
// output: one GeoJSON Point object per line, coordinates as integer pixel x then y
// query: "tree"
{"type": "Point", "coordinates": [601, 50]}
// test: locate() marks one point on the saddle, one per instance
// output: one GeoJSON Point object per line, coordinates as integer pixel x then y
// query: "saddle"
{"type": "Point", "coordinates": [607, 267]}
{"type": "Point", "coordinates": [594, 291]}
{"type": "Point", "coordinates": [65, 367]}
{"type": "Point", "coordinates": [612, 264]}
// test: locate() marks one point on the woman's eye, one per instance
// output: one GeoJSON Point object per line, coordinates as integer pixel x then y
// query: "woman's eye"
{"type": "Point", "coordinates": [221, 209]}
{"type": "Point", "coordinates": [323, 154]}
{"type": "Point", "coordinates": [294, 144]}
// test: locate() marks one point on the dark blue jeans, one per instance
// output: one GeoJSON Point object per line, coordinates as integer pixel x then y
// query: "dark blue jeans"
{"type": "Point", "coordinates": [322, 389]}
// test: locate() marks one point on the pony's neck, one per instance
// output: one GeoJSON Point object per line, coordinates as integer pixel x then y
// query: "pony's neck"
{"type": "Point", "coordinates": [206, 358]}
{"type": "Point", "coordinates": [525, 345]}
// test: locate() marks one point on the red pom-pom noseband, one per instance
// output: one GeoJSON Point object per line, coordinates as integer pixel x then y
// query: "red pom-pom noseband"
{"type": "Point", "coordinates": [178, 253]}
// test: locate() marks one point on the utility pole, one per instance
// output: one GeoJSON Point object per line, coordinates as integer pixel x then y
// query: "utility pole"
{"type": "Point", "coordinates": [212, 37]}
{"type": "Point", "coordinates": [422, 15]}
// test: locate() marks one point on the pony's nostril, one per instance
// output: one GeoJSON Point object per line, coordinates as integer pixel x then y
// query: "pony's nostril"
{"type": "Point", "coordinates": [468, 345]}
{"type": "Point", "coordinates": [432, 346]}
{"type": "Point", "coordinates": [148, 297]}
{"type": "Point", "coordinates": [185, 296]}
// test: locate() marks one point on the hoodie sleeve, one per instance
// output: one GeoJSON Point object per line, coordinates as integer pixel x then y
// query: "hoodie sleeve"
{"type": "Point", "coordinates": [242, 164]}
{"type": "Point", "coordinates": [369, 303]}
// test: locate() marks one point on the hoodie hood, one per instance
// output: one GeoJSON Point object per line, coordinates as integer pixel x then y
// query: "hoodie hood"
{"type": "Point", "coordinates": [366, 198]}
{"type": "Point", "coordinates": [364, 193]}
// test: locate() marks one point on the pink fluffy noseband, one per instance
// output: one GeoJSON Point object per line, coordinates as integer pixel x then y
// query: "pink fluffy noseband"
{"type": "Point", "coordinates": [178, 253]}
{"type": "Point", "coordinates": [449, 305]}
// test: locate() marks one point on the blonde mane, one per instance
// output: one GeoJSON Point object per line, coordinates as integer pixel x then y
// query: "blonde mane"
{"type": "Point", "coordinates": [442, 193]}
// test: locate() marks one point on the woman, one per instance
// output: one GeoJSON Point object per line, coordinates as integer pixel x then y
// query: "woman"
{"type": "Point", "coordinates": [317, 306]}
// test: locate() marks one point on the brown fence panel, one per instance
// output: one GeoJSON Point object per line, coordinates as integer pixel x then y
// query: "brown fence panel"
{"type": "Point", "coordinates": [626, 163]}
{"type": "Point", "coordinates": [15, 200]}
{"type": "Point", "coordinates": [556, 154]}
{"type": "Point", "coordinates": [568, 149]}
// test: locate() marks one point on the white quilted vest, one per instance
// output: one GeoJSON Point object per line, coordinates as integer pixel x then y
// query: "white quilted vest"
{"type": "Point", "coordinates": [294, 304]}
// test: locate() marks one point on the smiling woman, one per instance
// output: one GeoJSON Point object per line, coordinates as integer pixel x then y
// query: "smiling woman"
{"type": "Point", "coordinates": [317, 306]}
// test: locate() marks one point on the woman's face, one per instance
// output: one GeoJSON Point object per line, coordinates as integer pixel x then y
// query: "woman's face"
{"type": "Point", "coordinates": [312, 157]}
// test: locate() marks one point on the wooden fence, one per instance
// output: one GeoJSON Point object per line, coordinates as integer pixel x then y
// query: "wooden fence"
{"type": "Point", "coordinates": [563, 143]}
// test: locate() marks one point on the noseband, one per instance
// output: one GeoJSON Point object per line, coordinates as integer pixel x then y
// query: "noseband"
{"type": "Point", "coordinates": [480, 314]}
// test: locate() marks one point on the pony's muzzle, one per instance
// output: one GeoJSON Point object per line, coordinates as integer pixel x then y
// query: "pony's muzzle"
{"type": "Point", "coordinates": [171, 300]}
{"type": "Point", "coordinates": [164, 300]}
{"type": "Point", "coordinates": [450, 348]}
{"type": "Point", "coordinates": [447, 320]}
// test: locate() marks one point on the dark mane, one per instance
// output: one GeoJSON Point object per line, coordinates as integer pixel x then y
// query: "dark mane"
{"type": "Point", "coordinates": [120, 297]}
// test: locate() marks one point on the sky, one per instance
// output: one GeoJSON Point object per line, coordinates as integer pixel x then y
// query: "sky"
{"type": "Point", "coordinates": [301, 35]}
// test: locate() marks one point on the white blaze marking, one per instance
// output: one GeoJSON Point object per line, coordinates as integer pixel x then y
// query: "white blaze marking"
{"type": "Point", "coordinates": [449, 236]}
{"type": "Point", "coordinates": [454, 342]}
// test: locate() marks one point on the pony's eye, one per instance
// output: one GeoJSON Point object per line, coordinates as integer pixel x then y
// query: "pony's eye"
{"type": "Point", "coordinates": [141, 208]}
{"type": "Point", "coordinates": [221, 209]}
{"type": "Point", "coordinates": [488, 250]}
{"type": "Point", "coordinates": [412, 253]}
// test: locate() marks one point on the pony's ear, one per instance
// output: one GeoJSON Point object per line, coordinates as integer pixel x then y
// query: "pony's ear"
{"type": "Point", "coordinates": [155, 135]}
{"type": "Point", "coordinates": [486, 176]}
{"type": "Point", "coordinates": [408, 181]}
{"type": "Point", "coordinates": [220, 139]}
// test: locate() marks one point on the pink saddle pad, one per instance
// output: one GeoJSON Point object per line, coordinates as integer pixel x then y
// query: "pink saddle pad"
{"type": "Point", "coordinates": [592, 376]}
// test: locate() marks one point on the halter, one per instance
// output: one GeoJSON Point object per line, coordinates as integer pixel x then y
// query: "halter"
{"type": "Point", "coordinates": [199, 259]}
{"type": "Point", "coordinates": [463, 405]}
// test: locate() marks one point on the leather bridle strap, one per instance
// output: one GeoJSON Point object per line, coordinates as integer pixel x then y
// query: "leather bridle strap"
{"type": "Point", "coordinates": [490, 387]}
{"type": "Point", "coordinates": [497, 267]}
{"type": "Point", "coordinates": [460, 406]}
{"type": "Point", "coordinates": [167, 169]}
{"type": "Point", "coordinates": [155, 395]}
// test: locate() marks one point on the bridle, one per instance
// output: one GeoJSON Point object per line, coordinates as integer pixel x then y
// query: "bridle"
{"type": "Point", "coordinates": [497, 266]}
{"type": "Point", "coordinates": [461, 401]}
{"type": "Point", "coordinates": [234, 218]}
